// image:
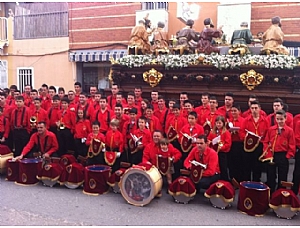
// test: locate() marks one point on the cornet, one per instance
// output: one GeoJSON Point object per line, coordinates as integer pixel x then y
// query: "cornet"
{"type": "Point", "coordinates": [137, 140]}
{"type": "Point", "coordinates": [33, 121]}
{"type": "Point", "coordinates": [198, 163]}
{"type": "Point", "coordinates": [60, 125]}
{"type": "Point", "coordinates": [192, 138]}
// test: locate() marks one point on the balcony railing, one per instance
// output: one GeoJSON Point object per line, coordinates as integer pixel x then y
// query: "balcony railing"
{"type": "Point", "coordinates": [3, 30]}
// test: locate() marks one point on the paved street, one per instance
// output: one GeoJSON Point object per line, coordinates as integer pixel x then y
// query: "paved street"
{"type": "Point", "coordinates": [40, 205]}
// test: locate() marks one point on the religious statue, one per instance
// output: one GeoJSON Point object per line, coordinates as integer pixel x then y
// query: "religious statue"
{"type": "Point", "coordinates": [160, 40]}
{"type": "Point", "coordinates": [139, 40]}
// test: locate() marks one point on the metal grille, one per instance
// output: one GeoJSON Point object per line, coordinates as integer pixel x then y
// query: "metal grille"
{"type": "Point", "coordinates": [25, 77]}
{"type": "Point", "coordinates": [3, 74]}
{"type": "Point", "coordinates": [155, 5]}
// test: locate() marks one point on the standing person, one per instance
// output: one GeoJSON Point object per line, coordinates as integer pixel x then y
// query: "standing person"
{"type": "Point", "coordinates": [93, 91]}
{"type": "Point", "coordinates": [81, 131]}
{"type": "Point", "coordinates": [52, 91]}
{"type": "Point", "coordinates": [61, 92]}
{"type": "Point", "coordinates": [26, 94]}
{"type": "Point", "coordinates": [152, 122]}
{"type": "Point", "coordinates": [88, 110]}
{"type": "Point", "coordinates": [4, 128]}
{"type": "Point", "coordinates": [235, 155]}
{"type": "Point", "coordinates": [281, 143]}
{"type": "Point", "coordinates": [10, 99]}
{"type": "Point", "coordinates": [188, 107]}
{"type": "Point", "coordinates": [204, 108]}
{"type": "Point", "coordinates": [46, 100]}
{"type": "Point", "coordinates": [154, 99]}
{"type": "Point", "coordinates": [65, 128]}
{"type": "Point", "coordinates": [111, 99]}
{"type": "Point", "coordinates": [253, 147]}
{"type": "Point", "coordinates": [225, 110]}
{"type": "Point", "coordinates": [103, 115]}
{"type": "Point", "coordinates": [38, 115]}
{"type": "Point", "coordinates": [138, 95]}
{"type": "Point", "coordinates": [144, 103]}
{"type": "Point", "coordinates": [78, 91]}
{"type": "Point", "coordinates": [162, 112]}
{"type": "Point", "coordinates": [222, 146]}
{"type": "Point", "coordinates": [252, 97]}
{"type": "Point", "coordinates": [118, 115]}
{"type": "Point", "coordinates": [296, 172]}
{"type": "Point", "coordinates": [20, 125]}
{"type": "Point", "coordinates": [183, 96]}
{"type": "Point", "coordinates": [71, 97]}
{"type": "Point", "coordinates": [130, 104]}
{"type": "Point", "coordinates": [53, 114]}
{"type": "Point", "coordinates": [205, 155]}
{"type": "Point", "coordinates": [96, 102]}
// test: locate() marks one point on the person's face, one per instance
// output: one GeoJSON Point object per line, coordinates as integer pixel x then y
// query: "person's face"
{"type": "Point", "coordinates": [27, 89]}
{"type": "Point", "coordinates": [71, 96]}
{"type": "Point", "coordinates": [130, 99]}
{"type": "Point", "coordinates": [118, 111]}
{"type": "Point", "coordinates": [97, 97]}
{"type": "Point", "coordinates": [137, 93]}
{"type": "Point", "coordinates": [157, 136]}
{"type": "Point", "coordinates": [80, 113]}
{"type": "Point", "coordinates": [44, 91]}
{"type": "Point", "coordinates": [82, 99]}
{"type": "Point", "coordinates": [114, 89]}
{"type": "Point", "coordinates": [142, 123]}
{"type": "Point", "coordinates": [95, 128]}
{"type": "Point", "coordinates": [119, 99]}
{"type": "Point", "coordinates": [280, 120]}
{"type": "Point", "coordinates": [41, 128]}
{"type": "Point", "coordinates": [51, 93]}
{"type": "Point", "coordinates": [171, 103]}
{"type": "Point", "coordinates": [176, 111]}
{"type": "Point", "coordinates": [213, 104]}
{"type": "Point", "coordinates": [16, 94]}
{"type": "Point", "coordinates": [149, 112]}
{"type": "Point", "coordinates": [93, 90]}
{"type": "Point", "coordinates": [56, 103]}
{"type": "Point", "coordinates": [37, 104]}
{"type": "Point", "coordinates": [228, 101]}
{"type": "Point", "coordinates": [143, 105]}
{"type": "Point", "coordinates": [132, 116]}
{"type": "Point", "coordinates": [103, 103]}
{"type": "Point", "coordinates": [164, 147]}
{"type": "Point", "coordinates": [201, 145]}
{"type": "Point", "coordinates": [219, 124]}
{"type": "Point", "coordinates": [2, 100]}
{"type": "Point", "coordinates": [64, 105]}
{"type": "Point", "coordinates": [235, 112]}
{"type": "Point", "coordinates": [254, 109]}
{"type": "Point", "coordinates": [33, 95]}
{"type": "Point", "coordinates": [61, 94]}
{"type": "Point", "coordinates": [77, 89]}
{"type": "Point", "coordinates": [250, 100]}
{"type": "Point", "coordinates": [183, 97]}
{"type": "Point", "coordinates": [19, 103]}
{"type": "Point", "coordinates": [204, 100]}
{"type": "Point", "coordinates": [113, 127]}
{"type": "Point", "coordinates": [161, 103]}
{"type": "Point", "coordinates": [12, 91]}
{"type": "Point", "coordinates": [188, 107]}
{"type": "Point", "coordinates": [192, 120]}
{"type": "Point", "coordinates": [277, 106]}
{"type": "Point", "coordinates": [154, 96]}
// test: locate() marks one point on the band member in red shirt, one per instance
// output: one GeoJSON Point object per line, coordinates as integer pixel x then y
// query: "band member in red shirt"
{"type": "Point", "coordinates": [20, 125]}
{"type": "Point", "coordinates": [103, 115]}
{"type": "Point", "coordinates": [118, 114]}
{"type": "Point", "coordinates": [96, 102]}
{"type": "Point", "coordinates": [73, 103]}
{"type": "Point", "coordinates": [210, 117]}
{"type": "Point", "coordinates": [162, 112]}
{"type": "Point", "coordinates": [206, 156]}
{"type": "Point", "coordinates": [10, 99]}
{"type": "Point", "coordinates": [258, 125]}
{"type": "Point", "coordinates": [4, 128]}
{"type": "Point", "coordinates": [46, 100]}
{"type": "Point", "coordinates": [296, 172]}
{"type": "Point", "coordinates": [152, 121]}
{"type": "Point", "coordinates": [65, 128]}
{"type": "Point", "coordinates": [93, 91]}
{"type": "Point", "coordinates": [111, 99]}
{"type": "Point", "coordinates": [280, 141]}
{"type": "Point", "coordinates": [81, 132]}
{"type": "Point", "coordinates": [88, 110]}
{"type": "Point", "coordinates": [26, 94]}
{"type": "Point", "coordinates": [253, 97]}
{"type": "Point", "coordinates": [130, 104]}
{"type": "Point", "coordinates": [53, 114]}
{"type": "Point", "coordinates": [138, 95]}
{"type": "Point", "coordinates": [78, 91]}
{"type": "Point", "coordinates": [154, 99]}
{"type": "Point", "coordinates": [203, 109]}
{"type": "Point", "coordinates": [225, 109]}
{"type": "Point", "coordinates": [38, 115]}
{"type": "Point", "coordinates": [43, 141]}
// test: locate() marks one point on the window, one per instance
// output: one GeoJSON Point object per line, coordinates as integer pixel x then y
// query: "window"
{"type": "Point", "coordinates": [155, 5]}
{"type": "Point", "coordinates": [3, 74]}
{"type": "Point", "coordinates": [25, 77]}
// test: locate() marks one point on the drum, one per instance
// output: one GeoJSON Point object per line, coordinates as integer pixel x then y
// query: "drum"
{"type": "Point", "coordinates": [5, 154]}
{"type": "Point", "coordinates": [50, 173]}
{"type": "Point", "coordinates": [140, 184]}
{"type": "Point", "coordinates": [12, 173]}
{"type": "Point", "coordinates": [28, 171]}
{"type": "Point", "coordinates": [67, 159]}
{"type": "Point", "coordinates": [95, 179]}
{"type": "Point", "coordinates": [220, 194]}
{"type": "Point", "coordinates": [72, 176]}
{"type": "Point", "coordinates": [182, 190]}
{"type": "Point", "coordinates": [253, 198]}
{"type": "Point", "coordinates": [285, 203]}
{"type": "Point", "coordinates": [115, 178]}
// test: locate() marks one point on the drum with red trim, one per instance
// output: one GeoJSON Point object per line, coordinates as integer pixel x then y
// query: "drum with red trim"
{"type": "Point", "coordinates": [28, 170]}
{"type": "Point", "coordinates": [95, 179]}
{"type": "Point", "coordinates": [12, 173]}
{"type": "Point", "coordinates": [253, 198]}
{"type": "Point", "coordinates": [50, 173]}
{"type": "Point", "coordinates": [5, 154]}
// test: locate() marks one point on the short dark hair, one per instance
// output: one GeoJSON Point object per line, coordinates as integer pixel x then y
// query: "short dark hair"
{"type": "Point", "coordinates": [65, 99]}
{"type": "Point", "coordinates": [256, 102]}
{"type": "Point", "coordinates": [203, 137]}
{"type": "Point", "coordinates": [55, 98]}
{"type": "Point", "coordinates": [193, 113]}
{"type": "Point", "coordinates": [281, 112]}
{"type": "Point", "coordinates": [42, 122]}
{"type": "Point", "coordinates": [61, 89]}
{"type": "Point", "coordinates": [78, 83]}
{"type": "Point", "coordinates": [119, 106]}
{"type": "Point", "coordinates": [96, 122]}
{"type": "Point", "coordinates": [34, 91]}
{"type": "Point", "coordinates": [13, 87]}
{"type": "Point", "coordinates": [103, 98]}
{"type": "Point", "coordinates": [45, 85]}
{"type": "Point", "coordinates": [133, 110]}
{"type": "Point", "coordinates": [37, 99]}
{"type": "Point", "coordinates": [52, 87]}
{"type": "Point", "coordinates": [19, 98]}
{"type": "Point", "coordinates": [278, 100]}
{"type": "Point", "coordinates": [229, 94]}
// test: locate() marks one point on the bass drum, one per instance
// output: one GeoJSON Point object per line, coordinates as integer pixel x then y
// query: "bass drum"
{"type": "Point", "coordinates": [140, 184]}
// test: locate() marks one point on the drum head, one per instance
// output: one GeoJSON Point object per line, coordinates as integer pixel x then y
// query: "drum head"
{"type": "Point", "coordinates": [254, 185]}
{"type": "Point", "coordinates": [72, 186]}
{"type": "Point", "coordinates": [285, 212]}
{"type": "Point", "coordinates": [49, 183]}
{"type": "Point", "coordinates": [218, 202]}
{"type": "Point", "coordinates": [31, 160]}
{"type": "Point", "coordinates": [137, 187]}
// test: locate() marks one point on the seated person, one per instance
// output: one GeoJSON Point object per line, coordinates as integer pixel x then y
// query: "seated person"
{"type": "Point", "coordinates": [207, 156]}
{"type": "Point", "coordinates": [273, 39]}
{"type": "Point", "coordinates": [206, 37]}
{"type": "Point", "coordinates": [42, 141]}
{"type": "Point", "coordinates": [240, 38]}
{"type": "Point", "coordinates": [139, 37]}
{"type": "Point", "coordinates": [160, 38]}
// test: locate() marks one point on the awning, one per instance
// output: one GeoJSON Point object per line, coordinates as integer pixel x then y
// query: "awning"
{"type": "Point", "coordinates": [95, 55]}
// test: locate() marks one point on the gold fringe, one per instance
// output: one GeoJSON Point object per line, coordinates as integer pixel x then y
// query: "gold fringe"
{"type": "Point", "coordinates": [219, 196]}
{"type": "Point", "coordinates": [94, 194]}
{"type": "Point", "coordinates": [284, 206]}
{"type": "Point", "coordinates": [26, 184]}
{"type": "Point", "coordinates": [251, 215]}
{"type": "Point", "coordinates": [182, 193]}
{"type": "Point", "coordinates": [47, 178]}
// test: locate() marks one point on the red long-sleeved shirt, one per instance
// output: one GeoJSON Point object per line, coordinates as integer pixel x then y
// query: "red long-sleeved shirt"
{"type": "Point", "coordinates": [114, 139]}
{"type": "Point", "coordinates": [201, 112]}
{"type": "Point", "coordinates": [223, 112]}
{"type": "Point", "coordinates": [50, 147]}
{"type": "Point", "coordinates": [104, 118]}
{"type": "Point", "coordinates": [176, 122]}
{"type": "Point", "coordinates": [260, 128]}
{"type": "Point", "coordinates": [288, 122]}
{"type": "Point", "coordinates": [147, 137]}
{"type": "Point", "coordinates": [68, 118]}
{"type": "Point", "coordinates": [4, 126]}
{"type": "Point", "coordinates": [23, 121]}
{"type": "Point", "coordinates": [196, 131]}
{"type": "Point", "coordinates": [91, 136]}
{"type": "Point", "coordinates": [236, 135]}
{"type": "Point", "coordinates": [53, 116]}
{"type": "Point", "coordinates": [211, 117]}
{"type": "Point", "coordinates": [225, 139]}
{"type": "Point", "coordinates": [128, 127]}
{"type": "Point", "coordinates": [154, 124]}
{"type": "Point", "coordinates": [46, 102]}
{"type": "Point", "coordinates": [283, 142]}
{"type": "Point", "coordinates": [210, 158]}
{"type": "Point", "coordinates": [122, 121]}
{"type": "Point", "coordinates": [82, 129]}
{"type": "Point", "coordinates": [151, 155]}
{"type": "Point", "coordinates": [41, 115]}
{"type": "Point", "coordinates": [248, 113]}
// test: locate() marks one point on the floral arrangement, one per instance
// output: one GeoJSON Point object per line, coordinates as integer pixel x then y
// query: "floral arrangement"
{"type": "Point", "coordinates": [219, 61]}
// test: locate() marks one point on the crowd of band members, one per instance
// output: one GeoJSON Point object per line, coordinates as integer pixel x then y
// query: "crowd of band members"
{"type": "Point", "coordinates": [69, 121]}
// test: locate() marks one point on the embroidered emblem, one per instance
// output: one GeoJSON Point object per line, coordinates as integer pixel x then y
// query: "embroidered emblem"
{"type": "Point", "coordinates": [69, 168]}
{"type": "Point", "coordinates": [285, 193]}
{"type": "Point", "coordinates": [65, 161]}
{"type": "Point", "coordinates": [9, 172]}
{"type": "Point", "coordinates": [47, 167]}
{"type": "Point", "coordinates": [163, 165]}
{"type": "Point", "coordinates": [248, 203]}
{"type": "Point", "coordinates": [24, 178]}
{"type": "Point", "coordinates": [181, 181]}
{"type": "Point", "coordinates": [195, 173]}
{"type": "Point", "coordinates": [249, 142]}
{"type": "Point", "coordinates": [92, 183]}
{"type": "Point", "coordinates": [219, 184]}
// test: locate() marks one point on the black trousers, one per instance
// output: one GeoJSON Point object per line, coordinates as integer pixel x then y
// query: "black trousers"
{"type": "Point", "coordinates": [21, 138]}
{"type": "Point", "coordinates": [235, 164]}
{"type": "Point", "coordinates": [223, 164]}
{"type": "Point", "coordinates": [296, 173]}
{"type": "Point", "coordinates": [137, 157]}
{"type": "Point", "coordinates": [178, 165]}
{"type": "Point", "coordinates": [206, 182]}
{"type": "Point", "coordinates": [65, 141]}
{"type": "Point", "coordinates": [280, 168]}
{"type": "Point", "coordinates": [252, 166]}
{"type": "Point", "coordinates": [80, 148]}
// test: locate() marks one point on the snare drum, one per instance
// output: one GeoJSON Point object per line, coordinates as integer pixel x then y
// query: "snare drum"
{"type": "Point", "coordinates": [67, 159]}
{"type": "Point", "coordinates": [285, 203]}
{"type": "Point", "coordinates": [5, 154]}
{"type": "Point", "coordinates": [253, 198]}
{"type": "Point", "coordinates": [182, 189]}
{"type": "Point", "coordinates": [12, 173]}
{"type": "Point", "coordinates": [220, 194]}
{"type": "Point", "coordinates": [95, 179]}
{"type": "Point", "coordinates": [140, 184]}
{"type": "Point", "coordinates": [28, 171]}
{"type": "Point", "coordinates": [72, 176]}
{"type": "Point", "coordinates": [50, 173]}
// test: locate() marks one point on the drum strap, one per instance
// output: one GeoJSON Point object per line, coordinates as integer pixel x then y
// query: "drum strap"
{"type": "Point", "coordinates": [45, 144]}
{"type": "Point", "coordinates": [165, 118]}
{"type": "Point", "coordinates": [50, 113]}
{"type": "Point", "coordinates": [22, 117]}
{"type": "Point", "coordinates": [272, 120]}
